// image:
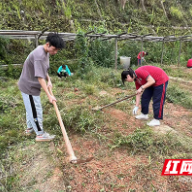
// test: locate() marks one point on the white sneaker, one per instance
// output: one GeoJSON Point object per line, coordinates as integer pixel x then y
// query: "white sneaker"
{"type": "Point", "coordinates": [154, 122]}
{"type": "Point", "coordinates": [142, 116]}
{"type": "Point", "coordinates": [45, 137]}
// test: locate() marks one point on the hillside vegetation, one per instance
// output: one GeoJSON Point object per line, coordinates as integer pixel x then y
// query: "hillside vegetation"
{"type": "Point", "coordinates": [140, 16]}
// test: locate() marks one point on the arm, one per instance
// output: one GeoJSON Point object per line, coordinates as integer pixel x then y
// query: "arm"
{"type": "Point", "coordinates": [141, 54]}
{"type": "Point", "coordinates": [49, 84]}
{"type": "Point", "coordinates": [59, 70]}
{"type": "Point", "coordinates": [150, 81]}
{"type": "Point", "coordinates": [143, 58]}
{"type": "Point", "coordinates": [138, 98]}
{"type": "Point", "coordinates": [44, 86]}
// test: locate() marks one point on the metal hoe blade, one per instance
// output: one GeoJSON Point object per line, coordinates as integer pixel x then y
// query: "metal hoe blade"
{"type": "Point", "coordinates": [79, 161]}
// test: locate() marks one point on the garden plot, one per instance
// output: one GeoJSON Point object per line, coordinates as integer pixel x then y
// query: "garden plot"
{"type": "Point", "coordinates": [128, 155]}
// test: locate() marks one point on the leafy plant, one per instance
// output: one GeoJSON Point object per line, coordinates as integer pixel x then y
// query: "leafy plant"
{"type": "Point", "coordinates": [176, 12]}
{"type": "Point", "coordinates": [3, 47]}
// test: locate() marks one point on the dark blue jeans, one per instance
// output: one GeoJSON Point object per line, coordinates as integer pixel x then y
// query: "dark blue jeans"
{"type": "Point", "coordinates": [158, 93]}
{"type": "Point", "coordinates": [138, 62]}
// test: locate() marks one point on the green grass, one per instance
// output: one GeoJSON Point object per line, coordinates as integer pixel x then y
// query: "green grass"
{"type": "Point", "coordinates": [183, 73]}
{"type": "Point", "coordinates": [179, 96]}
{"type": "Point", "coordinates": [77, 116]}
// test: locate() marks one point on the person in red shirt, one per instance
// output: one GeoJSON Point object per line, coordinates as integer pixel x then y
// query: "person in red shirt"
{"type": "Point", "coordinates": [140, 57]}
{"type": "Point", "coordinates": [152, 82]}
{"type": "Point", "coordinates": [189, 63]}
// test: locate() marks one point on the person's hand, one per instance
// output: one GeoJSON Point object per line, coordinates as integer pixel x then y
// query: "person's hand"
{"type": "Point", "coordinates": [143, 59]}
{"type": "Point", "coordinates": [135, 110]}
{"type": "Point", "coordinates": [140, 90]}
{"type": "Point", "coordinates": [51, 98]}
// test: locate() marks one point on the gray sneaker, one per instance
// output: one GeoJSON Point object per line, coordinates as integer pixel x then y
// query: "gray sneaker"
{"type": "Point", "coordinates": [29, 131]}
{"type": "Point", "coordinates": [45, 137]}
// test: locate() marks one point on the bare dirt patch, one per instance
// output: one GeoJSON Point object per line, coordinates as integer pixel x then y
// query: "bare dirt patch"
{"type": "Point", "coordinates": [115, 170]}
{"type": "Point", "coordinates": [108, 171]}
{"type": "Point", "coordinates": [178, 118]}
{"type": "Point", "coordinates": [122, 121]}
{"type": "Point", "coordinates": [41, 174]}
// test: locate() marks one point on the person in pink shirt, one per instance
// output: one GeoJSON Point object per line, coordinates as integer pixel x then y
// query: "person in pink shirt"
{"type": "Point", "coordinates": [140, 57]}
{"type": "Point", "coordinates": [150, 82]}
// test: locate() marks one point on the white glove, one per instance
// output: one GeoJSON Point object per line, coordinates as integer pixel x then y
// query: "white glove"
{"type": "Point", "coordinates": [142, 58]}
{"type": "Point", "coordinates": [135, 110]}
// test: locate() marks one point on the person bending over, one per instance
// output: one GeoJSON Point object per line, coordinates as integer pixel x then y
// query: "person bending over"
{"type": "Point", "coordinates": [140, 57]}
{"type": "Point", "coordinates": [63, 71]}
{"type": "Point", "coordinates": [150, 82]}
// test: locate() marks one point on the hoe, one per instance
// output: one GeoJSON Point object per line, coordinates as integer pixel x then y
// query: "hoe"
{"type": "Point", "coordinates": [72, 157]}
{"type": "Point", "coordinates": [125, 98]}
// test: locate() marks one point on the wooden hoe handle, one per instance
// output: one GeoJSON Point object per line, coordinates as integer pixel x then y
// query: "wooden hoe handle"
{"type": "Point", "coordinates": [125, 98]}
{"type": "Point", "coordinates": [70, 151]}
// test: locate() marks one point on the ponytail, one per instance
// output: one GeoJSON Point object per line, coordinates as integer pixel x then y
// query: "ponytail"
{"type": "Point", "coordinates": [129, 72]}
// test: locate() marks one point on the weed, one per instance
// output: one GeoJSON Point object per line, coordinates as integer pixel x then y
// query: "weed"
{"type": "Point", "coordinates": [90, 89]}
{"type": "Point", "coordinates": [137, 142]}
{"type": "Point", "coordinates": [142, 140]}
{"type": "Point", "coordinates": [70, 95]}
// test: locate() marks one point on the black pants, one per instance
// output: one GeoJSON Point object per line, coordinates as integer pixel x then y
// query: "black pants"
{"type": "Point", "coordinates": [158, 93]}
{"type": "Point", "coordinates": [62, 74]}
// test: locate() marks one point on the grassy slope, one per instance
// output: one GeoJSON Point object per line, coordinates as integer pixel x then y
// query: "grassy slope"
{"type": "Point", "coordinates": [84, 14]}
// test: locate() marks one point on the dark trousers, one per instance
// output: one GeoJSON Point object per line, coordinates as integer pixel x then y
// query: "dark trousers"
{"type": "Point", "coordinates": [62, 74]}
{"type": "Point", "coordinates": [158, 93]}
{"type": "Point", "coordinates": [138, 62]}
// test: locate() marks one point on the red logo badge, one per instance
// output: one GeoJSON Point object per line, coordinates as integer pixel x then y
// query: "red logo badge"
{"type": "Point", "coordinates": [177, 167]}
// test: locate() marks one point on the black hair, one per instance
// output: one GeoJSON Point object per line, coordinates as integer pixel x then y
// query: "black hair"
{"type": "Point", "coordinates": [63, 66]}
{"type": "Point", "coordinates": [55, 40]}
{"type": "Point", "coordinates": [128, 72]}
{"type": "Point", "coordinates": [146, 53]}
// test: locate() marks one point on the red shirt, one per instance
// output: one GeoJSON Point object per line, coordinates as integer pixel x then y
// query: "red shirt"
{"type": "Point", "coordinates": [189, 63]}
{"type": "Point", "coordinates": [157, 73]}
{"type": "Point", "coordinates": [141, 54]}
